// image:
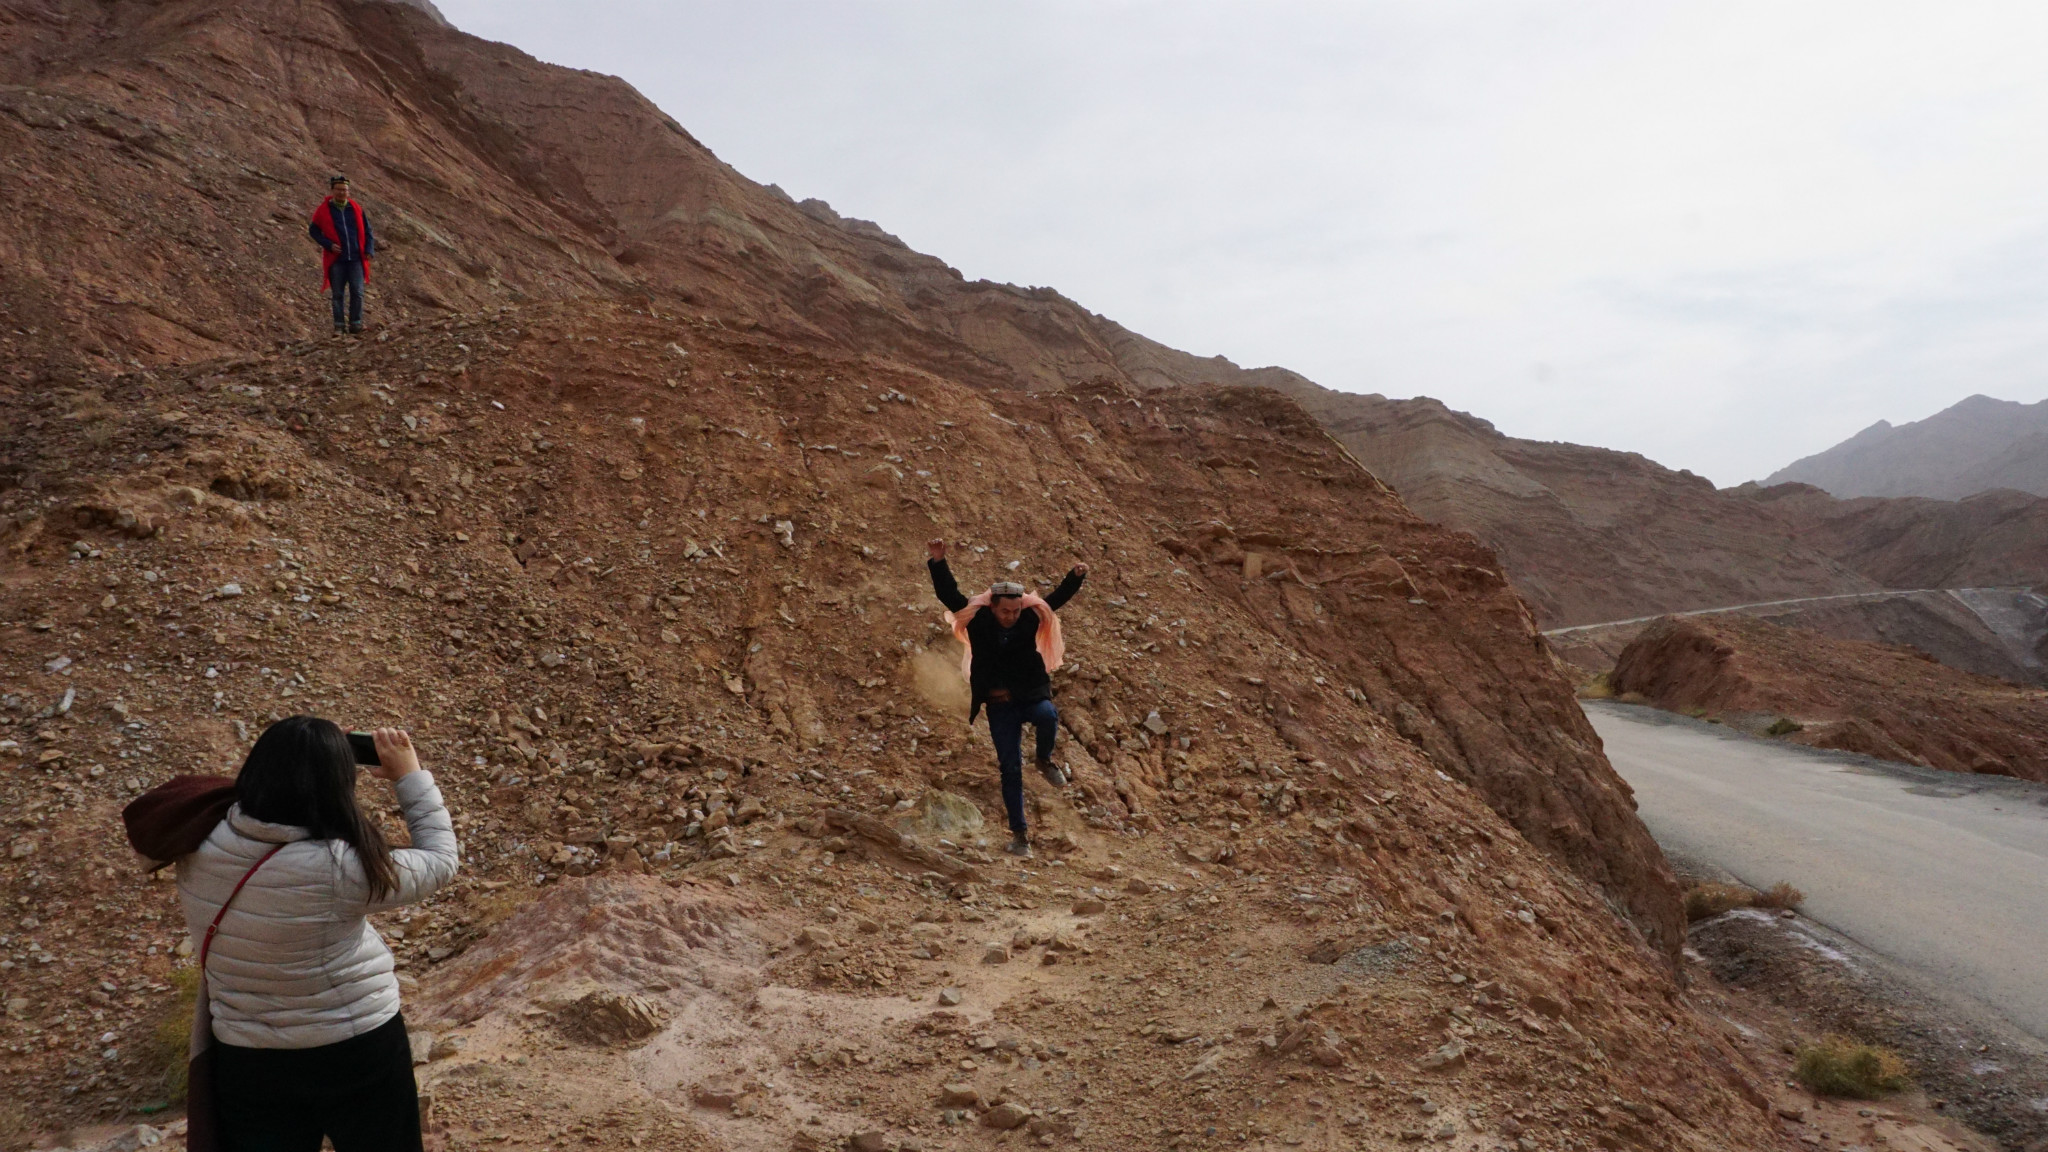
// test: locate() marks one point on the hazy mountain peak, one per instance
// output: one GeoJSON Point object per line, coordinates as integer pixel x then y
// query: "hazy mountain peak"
{"type": "Point", "coordinates": [1976, 444]}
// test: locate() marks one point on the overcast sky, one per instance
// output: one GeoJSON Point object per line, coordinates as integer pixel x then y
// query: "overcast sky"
{"type": "Point", "coordinates": [1722, 234]}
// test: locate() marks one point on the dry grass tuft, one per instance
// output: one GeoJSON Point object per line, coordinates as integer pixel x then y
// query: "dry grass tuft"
{"type": "Point", "coordinates": [1598, 688]}
{"type": "Point", "coordinates": [1706, 901]}
{"type": "Point", "coordinates": [1780, 895]}
{"type": "Point", "coordinates": [1784, 726]}
{"type": "Point", "coordinates": [170, 1038]}
{"type": "Point", "coordinates": [1839, 1066]}
{"type": "Point", "coordinates": [17, 1130]}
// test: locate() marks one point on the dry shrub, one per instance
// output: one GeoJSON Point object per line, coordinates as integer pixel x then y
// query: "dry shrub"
{"type": "Point", "coordinates": [1779, 895]}
{"type": "Point", "coordinates": [170, 1038]}
{"type": "Point", "coordinates": [1705, 901]}
{"type": "Point", "coordinates": [1784, 726]}
{"type": "Point", "coordinates": [90, 408]}
{"type": "Point", "coordinates": [1839, 1066]}
{"type": "Point", "coordinates": [1598, 688]}
{"type": "Point", "coordinates": [17, 1128]}
{"type": "Point", "coordinates": [101, 433]}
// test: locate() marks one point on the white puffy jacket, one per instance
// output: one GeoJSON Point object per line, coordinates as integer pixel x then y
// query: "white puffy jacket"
{"type": "Point", "coordinates": [295, 964]}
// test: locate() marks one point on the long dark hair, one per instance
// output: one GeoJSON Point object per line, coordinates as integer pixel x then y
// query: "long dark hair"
{"type": "Point", "coordinates": [303, 773]}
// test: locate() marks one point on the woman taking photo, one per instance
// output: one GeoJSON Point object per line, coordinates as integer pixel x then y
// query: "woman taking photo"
{"type": "Point", "coordinates": [308, 1040]}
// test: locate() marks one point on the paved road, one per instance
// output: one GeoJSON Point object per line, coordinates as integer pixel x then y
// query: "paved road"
{"type": "Point", "coordinates": [1945, 874]}
{"type": "Point", "coordinates": [1758, 604]}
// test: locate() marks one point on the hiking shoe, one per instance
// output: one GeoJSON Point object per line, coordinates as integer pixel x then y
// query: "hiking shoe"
{"type": "Point", "coordinates": [340, 330]}
{"type": "Point", "coordinates": [355, 329]}
{"type": "Point", "coordinates": [1055, 774]}
{"type": "Point", "coordinates": [1020, 846]}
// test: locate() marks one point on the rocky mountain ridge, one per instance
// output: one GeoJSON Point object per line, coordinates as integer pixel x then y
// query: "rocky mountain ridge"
{"type": "Point", "coordinates": [1587, 534]}
{"type": "Point", "coordinates": [1591, 535]}
{"type": "Point", "coordinates": [1976, 445]}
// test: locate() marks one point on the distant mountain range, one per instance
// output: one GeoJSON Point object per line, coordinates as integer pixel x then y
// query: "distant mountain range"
{"type": "Point", "coordinates": [1591, 534]}
{"type": "Point", "coordinates": [1977, 445]}
{"type": "Point", "coordinates": [1587, 534]}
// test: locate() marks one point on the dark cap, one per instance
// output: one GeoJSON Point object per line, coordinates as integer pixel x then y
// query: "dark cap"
{"type": "Point", "coordinates": [337, 178]}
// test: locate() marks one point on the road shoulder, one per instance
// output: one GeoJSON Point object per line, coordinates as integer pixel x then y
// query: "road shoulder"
{"type": "Point", "coordinates": [1780, 980]}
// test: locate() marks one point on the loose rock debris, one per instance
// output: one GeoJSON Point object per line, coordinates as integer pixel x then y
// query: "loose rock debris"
{"type": "Point", "coordinates": [637, 562]}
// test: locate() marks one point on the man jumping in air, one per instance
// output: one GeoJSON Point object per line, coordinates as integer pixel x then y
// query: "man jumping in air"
{"type": "Point", "coordinates": [1013, 643]}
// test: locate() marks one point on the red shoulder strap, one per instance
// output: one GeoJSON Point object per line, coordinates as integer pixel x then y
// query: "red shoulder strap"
{"type": "Point", "coordinates": [206, 945]}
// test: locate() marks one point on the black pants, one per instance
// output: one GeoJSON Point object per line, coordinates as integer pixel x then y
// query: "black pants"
{"type": "Point", "coordinates": [358, 1093]}
{"type": "Point", "coordinates": [345, 282]}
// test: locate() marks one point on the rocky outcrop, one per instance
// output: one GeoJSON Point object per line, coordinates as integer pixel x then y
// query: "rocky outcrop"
{"type": "Point", "coordinates": [1989, 631]}
{"type": "Point", "coordinates": [1892, 703]}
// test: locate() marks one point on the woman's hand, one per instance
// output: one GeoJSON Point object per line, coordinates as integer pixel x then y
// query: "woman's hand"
{"type": "Point", "coordinates": [395, 754]}
{"type": "Point", "coordinates": [937, 548]}
{"type": "Point", "coordinates": [1081, 569]}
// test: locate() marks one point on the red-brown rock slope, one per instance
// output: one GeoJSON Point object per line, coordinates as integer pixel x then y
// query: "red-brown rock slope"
{"type": "Point", "coordinates": [1892, 703]}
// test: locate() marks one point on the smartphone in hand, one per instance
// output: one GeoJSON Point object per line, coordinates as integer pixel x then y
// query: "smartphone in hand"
{"type": "Point", "coordinates": [365, 747]}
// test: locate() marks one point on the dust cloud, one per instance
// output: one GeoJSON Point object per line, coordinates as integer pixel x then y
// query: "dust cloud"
{"type": "Point", "coordinates": [935, 673]}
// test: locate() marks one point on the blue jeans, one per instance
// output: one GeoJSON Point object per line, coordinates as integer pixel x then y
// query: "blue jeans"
{"type": "Point", "coordinates": [1006, 727]}
{"type": "Point", "coordinates": [347, 277]}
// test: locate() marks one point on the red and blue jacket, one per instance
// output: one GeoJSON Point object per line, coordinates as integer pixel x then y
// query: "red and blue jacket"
{"type": "Point", "coordinates": [345, 239]}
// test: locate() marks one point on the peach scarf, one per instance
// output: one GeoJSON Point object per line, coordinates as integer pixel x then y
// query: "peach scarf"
{"type": "Point", "coordinates": [1052, 647]}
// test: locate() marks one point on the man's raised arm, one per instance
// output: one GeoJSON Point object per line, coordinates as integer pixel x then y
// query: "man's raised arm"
{"type": "Point", "coordinates": [1068, 587]}
{"type": "Point", "coordinates": [943, 584]}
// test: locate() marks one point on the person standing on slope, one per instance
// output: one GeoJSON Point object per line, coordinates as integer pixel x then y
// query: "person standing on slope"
{"type": "Point", "coordinates": [343, 232]}
{"type": "Point", "coordinates": [306, 1036]}
{"type": "Point", "coordinates": [1013, 643]}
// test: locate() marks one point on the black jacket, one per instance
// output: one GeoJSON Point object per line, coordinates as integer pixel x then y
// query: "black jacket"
{"type": "Point", "coordinates": [1004, 658]}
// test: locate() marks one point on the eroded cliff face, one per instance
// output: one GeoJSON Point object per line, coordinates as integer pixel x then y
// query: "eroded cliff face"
{"type": "Point", "coordinates": [1889, 702]}
{"type": "Point", "coordinates": [493, 178]}
{"type": "Point", "coordinates": [621, 506]}
{"type": "Point", "coordinates": [1991, 539]}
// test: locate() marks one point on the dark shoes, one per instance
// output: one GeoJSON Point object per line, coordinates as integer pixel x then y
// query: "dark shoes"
{"type": "Point", "coordinates": [355, 329]}
{"type": "Point", "coordinates": [340, 330]}
{"type": "Point", "coordinates": [1019, 846]}
{"type": "Point", "coordinates": [1055, 774]}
